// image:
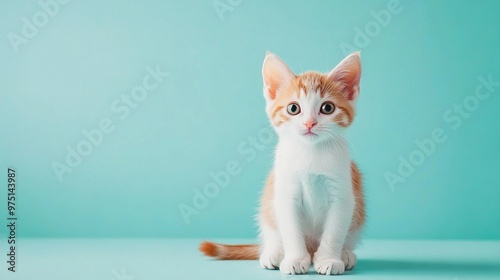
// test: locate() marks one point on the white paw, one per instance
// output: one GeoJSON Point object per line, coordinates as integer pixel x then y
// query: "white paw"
{"type": "Point", "coordinates": [270, 260]}
{"type": "Point", "coordinates": [349, 258]}
{"type": "Point", "coordinates": [328, 266]}
{"type": "Point", "coordinates": [295, 265]}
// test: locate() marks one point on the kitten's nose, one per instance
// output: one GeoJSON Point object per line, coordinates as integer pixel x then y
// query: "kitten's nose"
{"type": "Point", "coordinates": [310, 123]}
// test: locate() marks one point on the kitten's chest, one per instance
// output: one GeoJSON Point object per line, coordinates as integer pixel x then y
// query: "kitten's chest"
{"type": "Point", "coordinates": [318, 193]}
{"type": "Point", "coordinates": [311, 161]}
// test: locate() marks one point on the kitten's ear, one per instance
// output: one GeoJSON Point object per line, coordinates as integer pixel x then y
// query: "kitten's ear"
{"type": "Point", "coordinates": [275, 74]}
{"type": "Point", "coordinates": [348, 72]}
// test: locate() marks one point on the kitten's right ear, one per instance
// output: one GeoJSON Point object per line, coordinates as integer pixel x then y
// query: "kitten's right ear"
{"type": "Point", "coordinates": [275, 74]}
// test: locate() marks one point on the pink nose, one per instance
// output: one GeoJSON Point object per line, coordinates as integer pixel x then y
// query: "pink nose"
{"type": "Point", "coordinates": [310, 123]}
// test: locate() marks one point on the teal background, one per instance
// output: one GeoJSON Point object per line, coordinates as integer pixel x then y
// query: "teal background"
{"type": "Point", "coordinates": [427, 58]}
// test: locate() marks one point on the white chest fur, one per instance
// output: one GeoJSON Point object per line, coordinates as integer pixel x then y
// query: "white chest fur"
{"type": "Point", "coordinates": [318, 175]}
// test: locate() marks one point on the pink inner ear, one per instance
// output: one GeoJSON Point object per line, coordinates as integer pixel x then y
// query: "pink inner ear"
{"type": "Point", "coordinates": [348, 72]}
{"type": "Point", "coordinates": [272, 82]}
{"type": "Point", "coordinates": [275, 73]}
{"type": "Point", "coordinates": [351, 82]}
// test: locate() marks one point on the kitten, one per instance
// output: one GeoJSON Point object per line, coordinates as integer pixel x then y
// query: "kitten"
{"type": "Point", "coordinates": [312, 207]}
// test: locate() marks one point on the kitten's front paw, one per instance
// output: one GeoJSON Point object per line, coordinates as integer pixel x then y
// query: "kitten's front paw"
{"type": "Point", "coordinates": [349, 258]}
{"type": "Point", "coordinates": [270, 260]}
{"type": "Point", "coordinates": [328, 266]}
{"type": "Point", "coordinates": [295, 265]}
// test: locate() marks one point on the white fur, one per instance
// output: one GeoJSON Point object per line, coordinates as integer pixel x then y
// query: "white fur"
{"type": "Point", "coordinates": [313, 199]}
{"type": "Point", "coordinates": [313, 195]}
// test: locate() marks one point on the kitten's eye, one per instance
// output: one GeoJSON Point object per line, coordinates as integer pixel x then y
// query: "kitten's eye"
{"type": "Point", "coordinates": [293, 109]}
{"type": "Point", "coordinates": [327, 108]}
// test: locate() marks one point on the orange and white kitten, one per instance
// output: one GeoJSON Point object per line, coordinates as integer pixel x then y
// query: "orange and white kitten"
{"type": "Point", "coordinates": [312, 207]}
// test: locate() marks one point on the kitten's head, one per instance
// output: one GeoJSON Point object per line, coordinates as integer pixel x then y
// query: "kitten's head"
{"type": "Point", "coordinates": [313, 107]}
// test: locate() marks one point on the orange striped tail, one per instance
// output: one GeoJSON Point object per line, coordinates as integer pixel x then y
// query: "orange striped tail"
{"type": "Point", "coordinates": [230, 252]}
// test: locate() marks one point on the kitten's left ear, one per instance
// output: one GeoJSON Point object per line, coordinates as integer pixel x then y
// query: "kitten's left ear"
{"type": "Point", "coordinates": [275, 74]}
{"type": "Point", "coordinates": [348, 72]}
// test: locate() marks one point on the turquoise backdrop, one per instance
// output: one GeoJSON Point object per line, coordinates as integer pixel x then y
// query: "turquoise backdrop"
{"type": "Point", "coordinates": [146, 118]}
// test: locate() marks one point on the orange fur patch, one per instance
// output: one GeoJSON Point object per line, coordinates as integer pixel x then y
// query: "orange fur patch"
{"type": "Point", "coordinates": [266, 203]}
{"type": "Point", "coordinates": [358, 218]}
{"type": "Point", "coordinates": [312, 82]}
{"type": "Point", "coordinates": [208, 248]}
{"type": "Point", "coordinates": [230, 252]}
{"type": "Point", "coordinates": [276, 110]}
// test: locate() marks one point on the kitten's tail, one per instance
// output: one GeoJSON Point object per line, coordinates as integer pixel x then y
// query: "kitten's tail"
{"type": "Point", "coordinates": [230, 252]}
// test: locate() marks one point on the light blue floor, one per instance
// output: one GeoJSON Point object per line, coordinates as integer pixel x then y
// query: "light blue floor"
{"type": "Point", "coordinates": [154, 259]}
